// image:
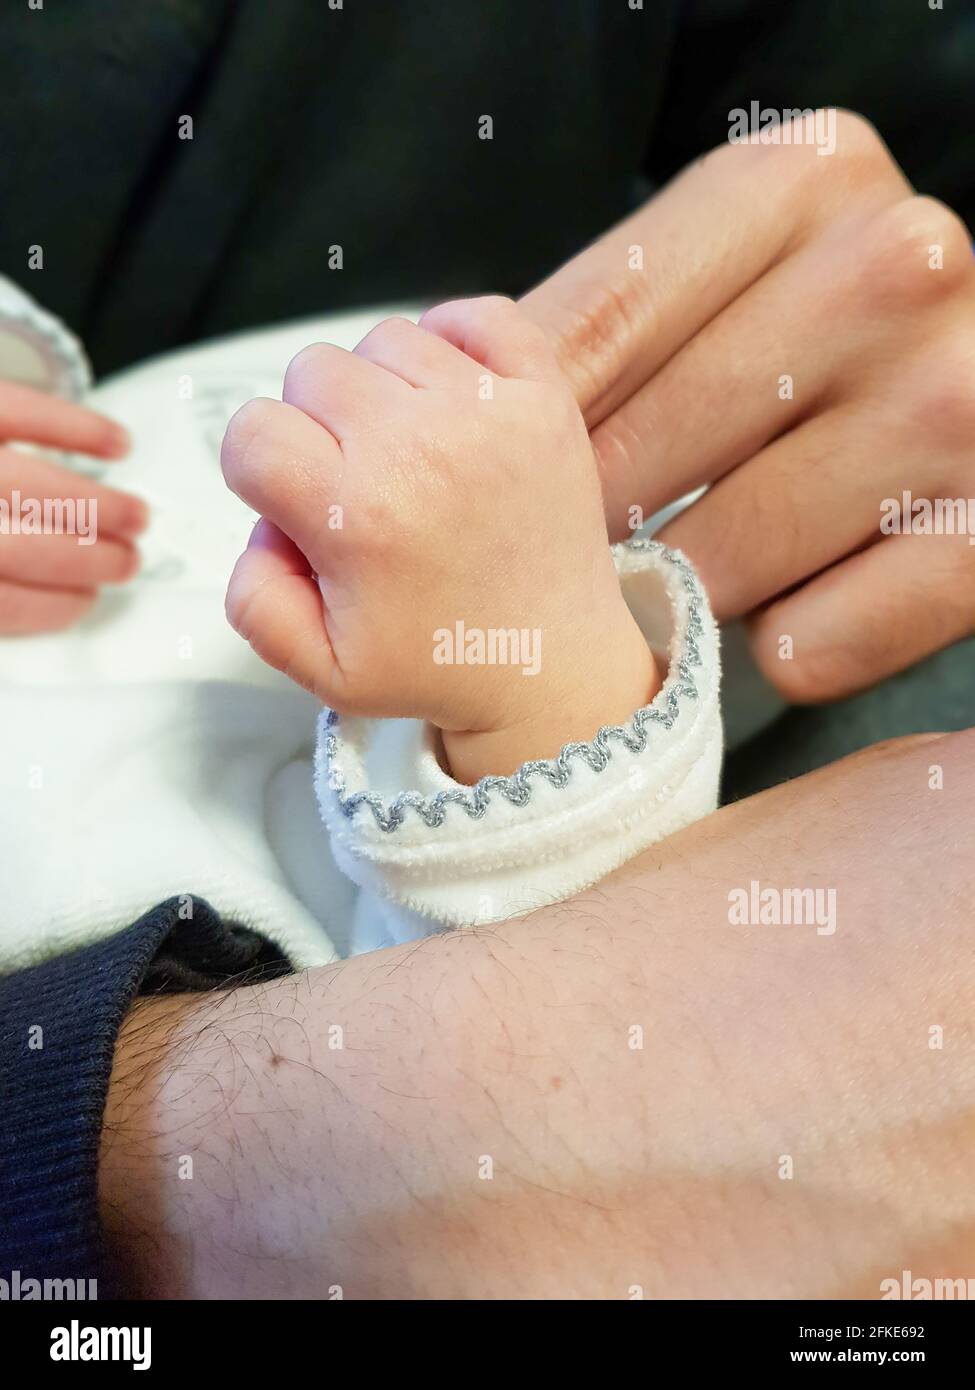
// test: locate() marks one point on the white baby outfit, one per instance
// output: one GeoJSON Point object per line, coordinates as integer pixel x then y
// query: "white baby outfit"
{"type": "Point", "coordinates": [148, 753]}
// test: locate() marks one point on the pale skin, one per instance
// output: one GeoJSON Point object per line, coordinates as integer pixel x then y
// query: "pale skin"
{"type": "Point", "coordinates": [614, 1168]}
{"type": "Point", "coordinates": [764, 261]}
{"type": "Point", "coordinates": [464, 489]}
{"type": "Point", "coordinates": [48, 582]}
{"type": "Point", "coordinates": [761, 261]}
{"type": "Point", "coordinates": [326, 1167]}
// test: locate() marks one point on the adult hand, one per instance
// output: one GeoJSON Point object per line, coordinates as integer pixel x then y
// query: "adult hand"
{"type": "Point", "coordinates": [629, 1091]}
{"type": "Point", "coordinates": [767, 262]}
{"type": "Point", "coordinates": [48, 580]}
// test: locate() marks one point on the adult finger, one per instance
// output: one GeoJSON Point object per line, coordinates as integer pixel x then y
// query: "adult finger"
{"type": "Point", "coordinates": [812, 331]}
{"type": "Point", "coordinates": [62, 562]}
{"type": "Point", "coordinates": [36, 417]}
{"type": "Point", "coordinates": [115, 513]}
{"type": "Point", "coordinates": [25, 610]}
{"type": "Point", "coordinates": [875, 614]}
{"type": "Point", "coordinates": [811, 496]}
{"type": "Point", "coordinates": [621, 309]}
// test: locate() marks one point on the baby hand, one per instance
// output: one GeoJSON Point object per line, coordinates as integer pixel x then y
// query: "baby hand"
{"type": "Point", "coordinates": [432, 541]}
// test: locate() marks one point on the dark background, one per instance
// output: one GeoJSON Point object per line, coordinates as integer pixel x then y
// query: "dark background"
{"type": "Point", "coordinates": [358, 127]}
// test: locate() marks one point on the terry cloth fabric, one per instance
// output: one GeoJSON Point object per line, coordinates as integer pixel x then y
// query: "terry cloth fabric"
{"type": "Point", "coordinates": [36, 349]}
{"type": "Point", "coordinates": [148, 752]}
{"type": "Point", "coordinates": [424, 849]}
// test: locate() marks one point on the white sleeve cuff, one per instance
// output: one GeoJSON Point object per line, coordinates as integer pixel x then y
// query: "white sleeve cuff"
{"type": "Point", "coordinates": [36, 349]}
{"type": "Point", "coordinates": [464, 855]}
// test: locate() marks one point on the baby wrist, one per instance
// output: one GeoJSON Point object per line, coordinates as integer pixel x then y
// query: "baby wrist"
{"type": "Point", "coordinates": [586, 698]}
{"type": "Point", "coordinates": [604, 684]}
{"type": "Point", "coordinates": [434, 849]}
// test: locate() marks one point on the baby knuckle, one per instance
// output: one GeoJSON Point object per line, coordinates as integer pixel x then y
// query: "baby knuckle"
{"type": "Point", "coordinates": [801, 134]}
{"type": "Point", "coordinates": [475, 313]}
{"type": "Point", "coordinates": [943, 226]}
{"type": "Point", "coordinates": [486, 320]}
{"type": "Point", "coordinates": [433, 319]}
{"type": "Point", "coordinates": [494, 306]}
{"type": "Point", "coordinates": [533, 340]}
{"type": "Point", "coordinates": [248, 428]}
{"type": "Point", "coordinates": [378, 521]}
{"type": "Point", "coordinates": [391, 330]}
{"type": "Point", "coordinates": [234, 607]}
{"type": "Point", "coordinates": [860, 158]}
{"type": "Point", "coordinates": [307, 368]}
{"type": "Point", "coordinates": [916, 250]}
{"type": "Point", "coordinates": [944, 399]}
{"type": "Point", "coordinates": [242, 609]}
{"type": "Point", "coordinates": [859, 140]}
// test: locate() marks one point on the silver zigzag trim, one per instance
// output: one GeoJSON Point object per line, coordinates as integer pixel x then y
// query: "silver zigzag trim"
{"type": "Point", "coordinates": [596, 754]}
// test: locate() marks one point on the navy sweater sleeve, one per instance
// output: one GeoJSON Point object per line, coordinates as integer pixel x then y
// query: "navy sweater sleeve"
{"type": "Point", "coordinates": [59, 1022]}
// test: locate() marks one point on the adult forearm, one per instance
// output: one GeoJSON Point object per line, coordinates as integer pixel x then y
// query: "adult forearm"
{"type": "Point", "coordinates": [625, 1092]}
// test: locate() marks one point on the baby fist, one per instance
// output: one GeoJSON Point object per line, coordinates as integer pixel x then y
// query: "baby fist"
{"type": "Point", "coordinates": [437, 479]}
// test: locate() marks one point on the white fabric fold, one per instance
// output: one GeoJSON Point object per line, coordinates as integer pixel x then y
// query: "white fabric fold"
{"type": "Point", "coordinates": [426, 850]}
{"type": "Point", "coordinates": [147, 752]}
{"type": "Point", "coordinates": [37, 349]}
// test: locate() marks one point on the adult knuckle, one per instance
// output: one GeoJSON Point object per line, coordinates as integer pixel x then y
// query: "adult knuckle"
{"type": "Point", "coordinates": [801, 674]}
{"type": "Point", "coordinates": [601, 332]}
{"type": "Point", "coordinates": [800, 682]}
